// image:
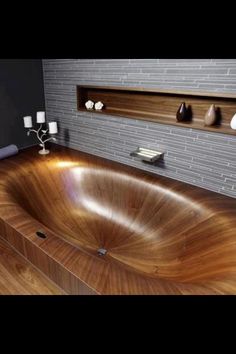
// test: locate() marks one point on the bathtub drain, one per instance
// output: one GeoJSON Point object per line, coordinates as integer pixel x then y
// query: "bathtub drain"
{"type": "Point", "coordinates": [101, 251]}
{"type": "Point", "coordinates": [41, 234]}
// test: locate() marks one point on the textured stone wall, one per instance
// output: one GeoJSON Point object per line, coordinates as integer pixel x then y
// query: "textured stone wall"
{"type": "Point", "coordinates": [194, 156]}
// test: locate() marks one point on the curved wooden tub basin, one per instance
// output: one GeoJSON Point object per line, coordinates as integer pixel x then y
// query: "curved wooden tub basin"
{"type": "Point", "coordinates": [159, 236]}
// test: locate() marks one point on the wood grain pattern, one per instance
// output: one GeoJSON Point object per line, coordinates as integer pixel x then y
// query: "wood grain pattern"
{"type": "Point", "coordinates": [19, 277]}
{"type": "Point", "coordinates": [161, 236]}
{"type": "Point", "coordinates": [161, 105]}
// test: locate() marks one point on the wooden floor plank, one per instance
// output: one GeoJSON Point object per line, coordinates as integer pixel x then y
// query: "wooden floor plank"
{"type": "Point", "coordinates": [19, 277]}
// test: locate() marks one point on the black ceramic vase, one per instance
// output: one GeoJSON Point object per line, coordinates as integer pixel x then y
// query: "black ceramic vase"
{"type": "Point", "coordinates": [181, 114]}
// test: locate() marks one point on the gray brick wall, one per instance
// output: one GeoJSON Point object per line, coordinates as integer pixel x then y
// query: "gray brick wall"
{"type": "Point", "coordinates": [204, 159]}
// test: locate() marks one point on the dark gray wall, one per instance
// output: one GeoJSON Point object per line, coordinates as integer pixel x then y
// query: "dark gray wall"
{"type": "Point", "coordinates": [204, 159]}
{"type": "Point", "coordinates": [21, 94]}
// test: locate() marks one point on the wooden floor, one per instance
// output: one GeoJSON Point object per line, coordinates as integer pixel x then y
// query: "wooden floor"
{"type": "Point", "coordinates": [19, 277]}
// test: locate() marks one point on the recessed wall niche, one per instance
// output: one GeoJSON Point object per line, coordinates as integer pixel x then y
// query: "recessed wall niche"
{"type": "Point", "coordinates": [161, 105]}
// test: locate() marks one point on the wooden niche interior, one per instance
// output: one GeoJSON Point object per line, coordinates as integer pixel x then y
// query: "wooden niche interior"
{"type": "Point", "coordinates": [161, 105]}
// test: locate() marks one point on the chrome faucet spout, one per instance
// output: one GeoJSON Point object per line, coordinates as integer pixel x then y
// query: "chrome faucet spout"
{"type": "Point", "coordinates": [147, 154]}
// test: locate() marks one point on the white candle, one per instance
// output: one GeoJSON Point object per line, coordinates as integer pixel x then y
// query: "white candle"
{"type": "Point", "coordinates": [28, 122]}
{"type": "Point", "coordinates": [40, 117]}
{"type": "Point", "coordinates": [52, 127]}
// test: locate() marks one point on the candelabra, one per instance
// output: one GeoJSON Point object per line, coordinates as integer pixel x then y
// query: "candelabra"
{"type": "Point", "coordinates": [40, 133]}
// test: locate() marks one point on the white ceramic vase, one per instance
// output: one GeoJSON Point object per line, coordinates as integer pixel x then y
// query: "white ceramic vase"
{"type": "Point", "coordinates": [233, 122]}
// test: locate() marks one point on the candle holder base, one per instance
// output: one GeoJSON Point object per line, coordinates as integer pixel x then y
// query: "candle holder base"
{"type": "Point", "coordinates": [44, 152]}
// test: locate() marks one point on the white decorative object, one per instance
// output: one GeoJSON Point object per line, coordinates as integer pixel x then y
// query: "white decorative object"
{"type": "Point", "coordinates": [99, 105]}
{"type": "Point", "coordinates": [40, 132]}
{"type": "Point", "coordinates": [233, 122]}
{"type": "Point", "coordinates": [52, 127]}
{"type": "Point", "coordinates": [89, 104]}
{"type": "Point", "coordinates": [40, 117]}
{"type": "Point", "coordinates": [28, 122]}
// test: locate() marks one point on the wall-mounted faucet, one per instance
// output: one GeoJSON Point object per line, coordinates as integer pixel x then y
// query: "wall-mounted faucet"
{"type": "Point", "coordinates": [147, 154]}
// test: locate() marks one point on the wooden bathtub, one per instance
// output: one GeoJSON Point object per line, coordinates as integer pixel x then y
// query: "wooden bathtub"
{"type": "Point", "coordinates": [161, 236]}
